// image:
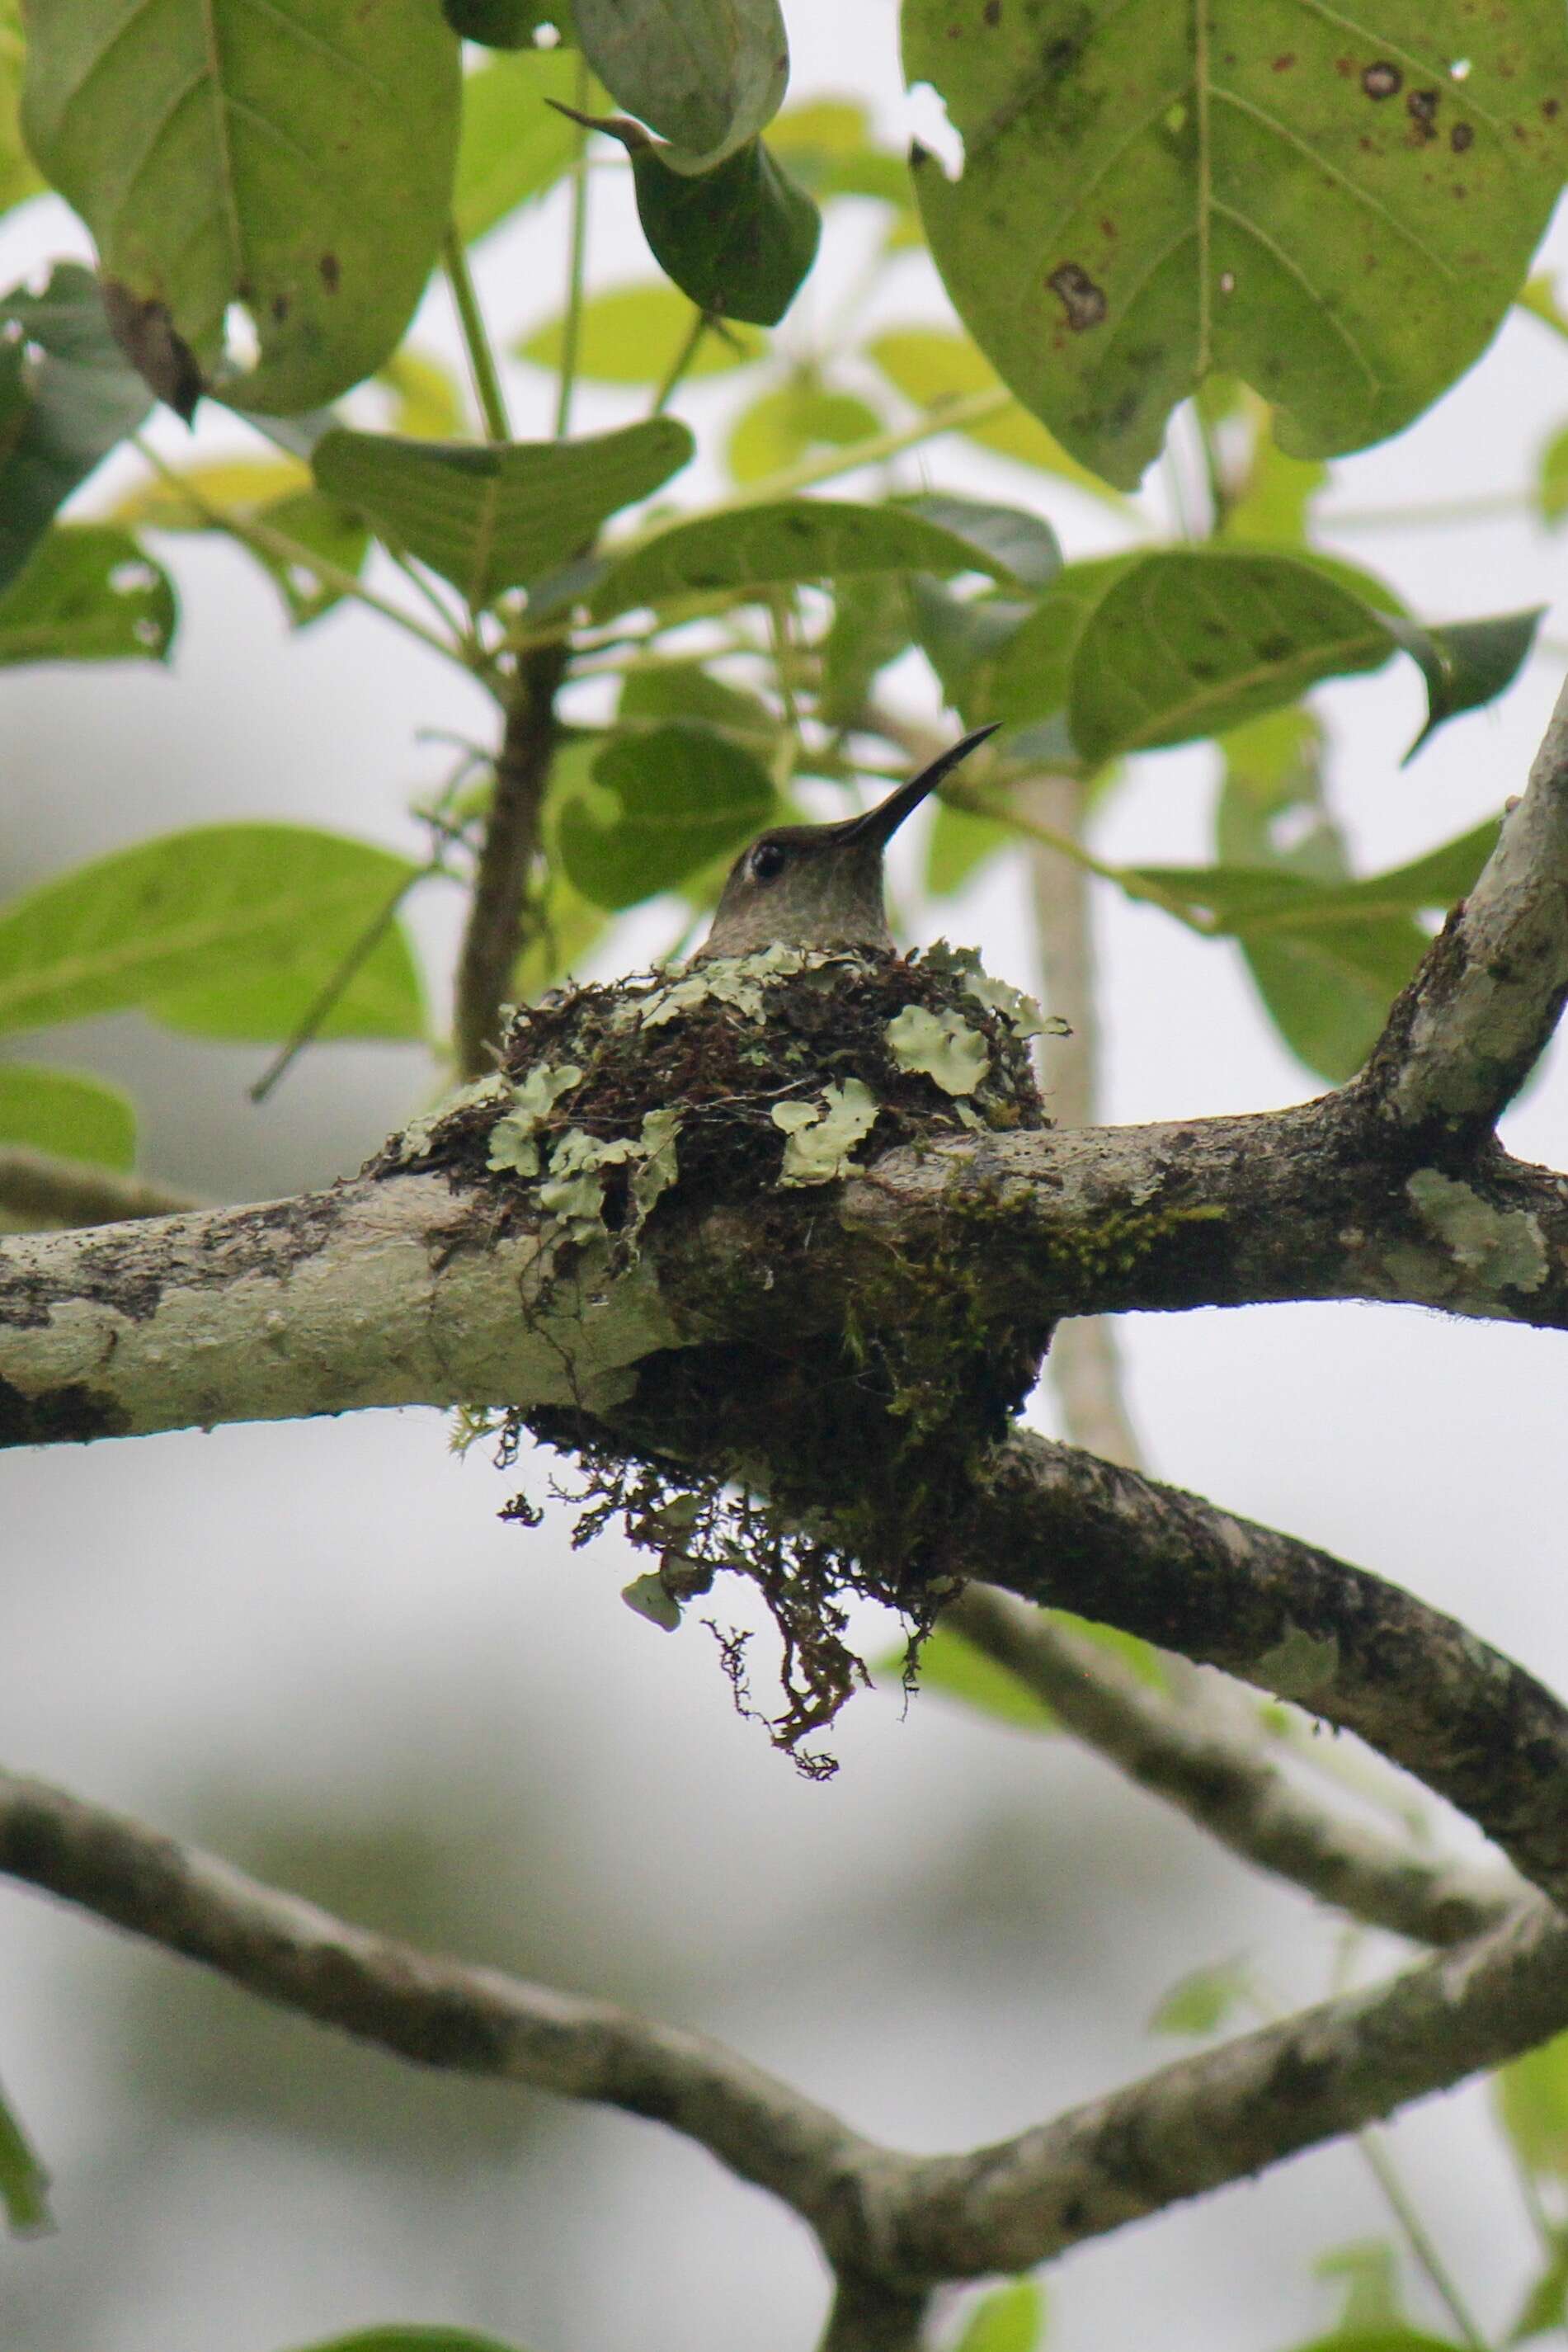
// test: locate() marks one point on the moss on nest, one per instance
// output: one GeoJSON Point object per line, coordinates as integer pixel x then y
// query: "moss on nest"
{"type": "Point", "coordinates": [817, 1467]}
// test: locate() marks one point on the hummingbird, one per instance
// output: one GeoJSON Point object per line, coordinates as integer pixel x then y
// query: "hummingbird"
{"type": "Point", "coordinates": [819, 886]}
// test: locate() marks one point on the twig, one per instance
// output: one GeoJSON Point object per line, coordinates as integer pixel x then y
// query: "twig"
{"type": "Point", "coordinates": [475, 342]}
{"type": "Point", "coordinates": [353, 958]}
{"type": "Point", "coordinates": [1227, 1785]}
{"type": "Point", "coordinates": [498, 920]}
{"type": "Point", "coordinates": [44, 1189]}
{"type": "Point", "coordinates": [577, 261]}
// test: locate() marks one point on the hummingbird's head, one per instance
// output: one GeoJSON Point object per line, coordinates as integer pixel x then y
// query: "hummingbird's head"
{"type": "Point", "coordinates": [819, 886]}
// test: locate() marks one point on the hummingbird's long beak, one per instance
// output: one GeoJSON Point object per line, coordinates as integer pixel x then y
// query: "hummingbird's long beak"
{"type": "Point", "coordinates": [880, 823]}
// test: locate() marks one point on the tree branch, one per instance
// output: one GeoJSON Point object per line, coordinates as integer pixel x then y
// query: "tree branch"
{"type": "Point", "coordinates": [1482, 1008]}
{"type": "Point", "coordinates": [1062, 1527]}
{"type": "Point", "coordinates": [496, 935]}
{"type": "Point", "coordinates": [43, 1189]}
{"type": "Point", "coordinates": [890, 2224]}
{"type": "Point", "coordinates": [1227, 1785]}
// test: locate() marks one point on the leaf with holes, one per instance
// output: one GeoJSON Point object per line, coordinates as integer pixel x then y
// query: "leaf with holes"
{"type": "Point", "coordinates": [493, 517]}
{"type": "Point", "coordinates": [88, 594]}
{"type": "Point", "coordinates": [666, 801]}
{"type": "Point", "coordinates": [66, 1113]}
{"type": "Point", "coordinates": [635, 334]}
{"type": "Point", "coordinates": [227, 931]}
{"type": "Point", "coordinates": [783, 544]}
{"type": "Point", "coordinates": [706, 74]}
{"type": "Point", "coordinates": [66, 398]}
{"type": "Point", "coordinates": [298, 162]}
{"type": "Point", "coordinates": [1337, 207]}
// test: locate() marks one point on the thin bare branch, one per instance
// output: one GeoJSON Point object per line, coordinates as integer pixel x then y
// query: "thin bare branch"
{"type": "Point", "coordinates": [1227, 1785]}
{"type": "Point", "coordinates": [42, 1189]}
{"type": "Point", "coordinates": [1475, 1020]}
{"type": "Point", "coordinates": [1063, 1528]}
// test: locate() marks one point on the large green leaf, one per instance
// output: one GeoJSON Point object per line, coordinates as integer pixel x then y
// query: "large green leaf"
{"type": "Point", "coordinates": [635, 334]}
{"type": "Point", "coordinates": [1009, 2319]}
{"type": "Point", "coordinates": [88, 593]}
{"type": "Point", "coordinates": [738, 239]}
{"type": "Point", "coordinates": [667, 800]}
{"type": "Point", "coordinates": [706, 74]}
{"type": "Point", "coordinates": [932, 367]}
{"type": "Point", "coordinates": [493, 517]}
{"type": "Point", "coordinates": [1338, 208]}
{"type": "Point", "coordinates": [788, 422]}
{"type": "Point", "coordinates": [24, 2182]}
{"type": "Point", "coordinates": [66, 1113]}
{"type": "Point", "coordinates": [1183, 643]}
{"type": "Point", "coordinates": [296, 163]}
{"type": "Point", "coordinates": [67, 397]}
{"type": "Point", "coordinates": [780, 544]}
{"type": "Point", "coordinates": [227, 931]}
{"type": "Point", "coordinates": [515, 145]}
{"type": "Point", "coordinates": [18, 178]}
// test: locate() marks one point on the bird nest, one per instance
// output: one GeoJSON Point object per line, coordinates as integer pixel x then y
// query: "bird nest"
{"type": "Point", "coordinates": [819, 1464]}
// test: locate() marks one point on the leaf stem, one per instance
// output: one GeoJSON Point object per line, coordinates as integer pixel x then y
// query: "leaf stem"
{"type": "Point", "coordinates": [681, 363]}
{"type": "Point", "coordinates": [261, 539]}
{"type": "Point", "coordinates": [978, 803]}
{"type": "Point", "coordinates": [572, 325]}
{"type": "Point", "coordinates": [1423, 2250]}
{"type": "Point", "coordinates": [357, 953]}
{"type": "Point", "coordinates": [952, 417]}
{"type": "Point", "coordinates": [475, 342]}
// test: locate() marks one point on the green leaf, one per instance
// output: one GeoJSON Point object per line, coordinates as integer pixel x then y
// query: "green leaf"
{"type": "Point", "coordinates": [869, 628]}
{"type": "Point", "coordinates": [791, 422]}
{"type": "Point", "coordinates": [831, 152]}
{"type": "Point", "coordinates": [24, 2182]}
{"type": "Point", "coordinates": [931, 366]}
{"type": "Point", "coordinates": [489, 519]}
{"type": "Point", "coordinates": [226, 930]}
{"type": "Point", "coordinates": [1273, 507]}
{"type": "Point", "coordinates": [515, 146]}
{"type": "Point", "coordinates": [667, 800]}
{"type": "Point", "coordinates": [1552, 480]}
{"type": "Point", "coordinates": [964, 638]}
{"type": "Point", "coordinates": [565, 925]}
{"type": "Point", "coordinates": [1329, 211]}
{"type": "Point", "coordinates": [88, 593]}
{"type": "Point", "coordinates": [298, 166]}
{"type": "Point", "coordinates": [68, 1113]}
{"type": "Point", "coordinates": [1204, 2001]}
{"type": "Point", "coordinates": [1009, 2319]}
{"type": "Point", "coordinates": [67, 397]}
{"type": "Point", "coordinates": [505, 23]}
{"type": "Point", "coordinates": [1020, 545]}
{"type": "Point", "coordinates": [1328, 989]}
{"type": "Point", "coordinates": [1402, 2338]}
{"type": "Point", "coordinates": [684, 690]}
{"type": "Point", "coordinates": [954, 1667]}
{"type": "Point", "coordinates": [1546, 2305]}
{"type": "Point", "coordinates": [1166, 648]}
{"type": "Point", "coordinates": [1469, 663]}
{"type": "Point", "coordinates": [1532, 2099]}
{"type": "Point", "coordinates": [323, 526]}
{"type": "Point", "coordinates": [958, 845]}
{"type": "Point", "coordinates": [739, 239]}
{"type": "Point", "coordinates": [635, 334]}
{"type": "Point", "coordinates": [413, 2339]}
{"type": "Point", "coordinates": [706, 74]}
{"type": "Point", "coordinates": [18, 178]}
{"type": "Point", "coordinates": [1369, 2268]}
{"type": "Point", "coordinates": [781, 544]}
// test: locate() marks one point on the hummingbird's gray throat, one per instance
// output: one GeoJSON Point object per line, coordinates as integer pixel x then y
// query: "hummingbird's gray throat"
{"type": "Point", "coordinates": [821, 886]}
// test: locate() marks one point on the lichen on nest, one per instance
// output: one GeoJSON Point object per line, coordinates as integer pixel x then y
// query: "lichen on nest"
{"type": "Point", "coordinates": [819, 1467]}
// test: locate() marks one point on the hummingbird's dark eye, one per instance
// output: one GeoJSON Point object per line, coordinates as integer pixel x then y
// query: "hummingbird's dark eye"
{"type": "Point", "coordinates": [769, 858]}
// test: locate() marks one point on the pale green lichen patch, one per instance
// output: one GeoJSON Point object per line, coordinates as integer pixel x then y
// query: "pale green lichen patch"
{"type": "Point", "coordinates": [514, 1139]}
{"type": "Point", "coordinates": [574, 1191]}
{"type": "Point", "coordinates": [823, 1134]}
{"type": "Point", "coordinates": [737, 981]}
{"type": "Point", "coordinates": [942, 1045]}
{"type": "Point", "coordinates": [414, 1139]}
{"type": "Point", "coordinates": [1021, 1011]}
{"type": "Point", "coordinates": [1503, 1248]}
{"type": "Point", "coordinates": [1300, 1664]}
